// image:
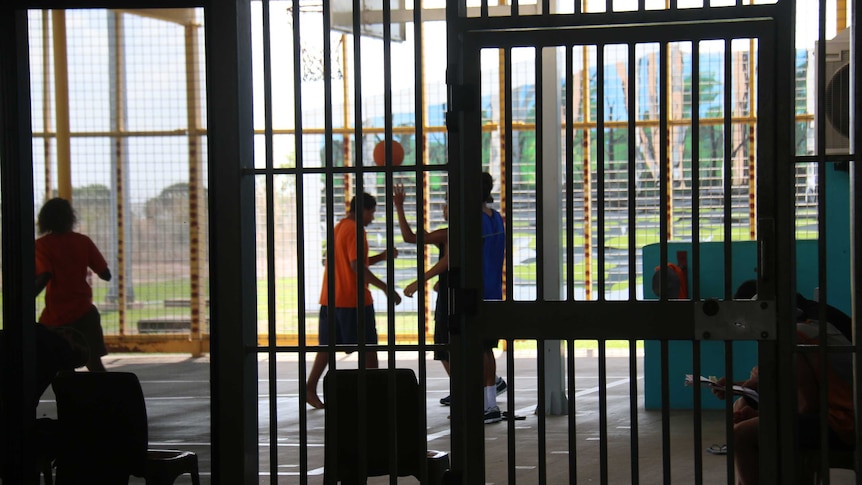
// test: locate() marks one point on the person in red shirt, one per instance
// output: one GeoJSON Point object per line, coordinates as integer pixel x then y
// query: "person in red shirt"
{"type": "Point", "coordinates": [348, 263]}
{"type": "Point", "coordinates": [63, 261]}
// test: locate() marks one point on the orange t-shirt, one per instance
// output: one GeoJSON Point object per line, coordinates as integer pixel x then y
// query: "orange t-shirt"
{"type": "Point", "coordinates": [345, 278]}
{"type": "Point", "coordinates": [67, 256]}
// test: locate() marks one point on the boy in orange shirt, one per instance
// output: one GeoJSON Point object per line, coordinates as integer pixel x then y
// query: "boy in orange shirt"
{"type": "Point", "coordinates": [346, 311]}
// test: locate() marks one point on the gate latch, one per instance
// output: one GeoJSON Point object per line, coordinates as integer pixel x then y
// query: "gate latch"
{"type": "Point", "coordinates": [734, 320]}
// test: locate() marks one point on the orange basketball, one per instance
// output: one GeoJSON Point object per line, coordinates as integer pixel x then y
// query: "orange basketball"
{"type": "Point", "coordinates": [380, 153]}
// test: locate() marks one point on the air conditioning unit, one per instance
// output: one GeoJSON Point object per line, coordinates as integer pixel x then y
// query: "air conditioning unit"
{"type": "Point", "coordinates": [836, 106]}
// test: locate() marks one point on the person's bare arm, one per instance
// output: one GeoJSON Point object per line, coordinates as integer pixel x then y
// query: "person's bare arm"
{"type": "Point", "coordinates": [382, 256]}
{"type": "Point", "coordinates": [42, 281]}
{"type": "Point", "coordinates": [437, 237]}
{"type": "Point", "coordinates": [440, 266]}
{"type": "Point", "coordinates": [398, 200]}
{"type": "Point", "coordinates": [373, 280]}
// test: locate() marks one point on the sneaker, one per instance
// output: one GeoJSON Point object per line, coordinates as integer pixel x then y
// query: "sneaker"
{"type": "Point", "coordinates": [493, 415]}
{"type": "Point", "coordinates": [501, 385]}
{"type": "Point", "coordinates": [446, 400]}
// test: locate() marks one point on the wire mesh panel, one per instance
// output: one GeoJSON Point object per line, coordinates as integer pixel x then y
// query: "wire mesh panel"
{"type": "Point", "coordinates": [118, 110]}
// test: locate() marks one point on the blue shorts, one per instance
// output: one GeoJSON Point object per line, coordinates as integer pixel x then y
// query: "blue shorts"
{"type": "Point", "coordinates": [347, 326]}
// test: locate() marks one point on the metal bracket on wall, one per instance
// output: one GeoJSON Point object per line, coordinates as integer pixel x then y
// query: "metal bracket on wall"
{"type": "Point", "coordinates": [734, 320]}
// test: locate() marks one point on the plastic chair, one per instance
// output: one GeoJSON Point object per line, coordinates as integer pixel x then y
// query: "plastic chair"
{"type": "Point", "coordinates": [342, 441]}
{"type": "Point", "coordinates": [103, 433]}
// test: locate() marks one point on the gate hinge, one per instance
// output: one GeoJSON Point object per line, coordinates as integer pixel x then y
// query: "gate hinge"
{"type": "Point", "coordinates": [462, 97]}
{"type": "Point", "coordinates": [462, 301]}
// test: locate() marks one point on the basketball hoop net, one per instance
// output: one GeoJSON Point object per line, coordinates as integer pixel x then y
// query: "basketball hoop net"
{"type": "Point", "coordinates": [312, 57]}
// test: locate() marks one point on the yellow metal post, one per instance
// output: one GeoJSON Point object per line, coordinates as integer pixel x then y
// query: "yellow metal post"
{"type": "Point", "coordinates": [119, 149]}
{"type": "Point", "coordinates": [197, 204]}
{"type": "Point", "coordinates": [61, 94]}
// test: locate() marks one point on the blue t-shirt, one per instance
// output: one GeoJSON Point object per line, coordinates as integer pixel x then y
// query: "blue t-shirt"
{"type": "Point", "coordinates": [493, 254]}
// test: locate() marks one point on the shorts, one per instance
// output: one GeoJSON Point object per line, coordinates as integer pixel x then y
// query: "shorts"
{"type": "Point", "coordinates": [347, 326]}
{"type": "Point", "coordinates": [441, 336]}
{"type": "Point", "coordinates": [90, 326]}
{"type": "Point", "coordinates": [809, 434]}
{"type": "Point", "coordinates": [490, 344]}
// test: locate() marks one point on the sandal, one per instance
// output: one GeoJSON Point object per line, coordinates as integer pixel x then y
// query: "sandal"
{"type": "Point", "coordinates": [717, 450]}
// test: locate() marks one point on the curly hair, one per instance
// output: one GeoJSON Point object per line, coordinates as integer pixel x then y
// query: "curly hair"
{"type": "Point", "coordinates": [57, 216]}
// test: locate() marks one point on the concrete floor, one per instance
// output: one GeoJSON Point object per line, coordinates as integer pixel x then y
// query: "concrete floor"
{"type": "Point", "coordinates": [176, 388]}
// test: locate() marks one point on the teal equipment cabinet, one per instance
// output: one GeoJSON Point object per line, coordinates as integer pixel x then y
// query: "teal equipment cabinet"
{"type": "Point", "coordinates": [744, 254]}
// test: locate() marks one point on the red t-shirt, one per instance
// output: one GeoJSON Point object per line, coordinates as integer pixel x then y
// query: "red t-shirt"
{"type": "Point", "coordinates": [67, 256]}
{"type": "Point", "coordinates": [345, 278]}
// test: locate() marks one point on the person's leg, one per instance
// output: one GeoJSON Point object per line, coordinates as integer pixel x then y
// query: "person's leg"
{"type": "Point", "coordinates": [489, 368]}
{"type": "Point", "coordinates": [91, 326]}
{"type": "Point", "coordinates": [321, 360]}
{"type": "Point", "coordinates": [371, 361]}
{"type": "Point", "coordinates": [489, 371]}
{"type": "Point", "coordinates": [745, 451]}
{"type": "Point", "coordinates": [317, 368]}
{"type": "Point", "coordinates": [808, 400]}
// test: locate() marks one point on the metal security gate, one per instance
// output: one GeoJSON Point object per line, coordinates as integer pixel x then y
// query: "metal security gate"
{"type": "Point", "coordinates": [679, 303]}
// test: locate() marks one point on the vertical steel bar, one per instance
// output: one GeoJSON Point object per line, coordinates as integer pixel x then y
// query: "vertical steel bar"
{"type": "Point", "coordinates": [694, 280]}
{"type": "Point", "coordinates": [634, 405]}
{"type": "Point", "coordinates": [420, 109]}
{"type": "Point", "coordinates": [631, 103]}
{"type": "Point", "coordinates": [665, 412]}
{"type": "Point", "coordinates": [542, 423]}
{"type": "Point", "coordinates": [822, 341]}
{"type": "Point", "coordinates": [664, 189]}
{"type": "Point", "coordinates": [510, 396]}
{"type": "Point", "coordinates": [390, 247]}
{"type": "Point", "coordinates": [697, 415]}
{"type": "Point", "coordinates": [856, 220]}
{"type": "Point", "coordinates": [506, 176]}
{"type": "Point", "coordinates": [570, 175]}
{"type": "Point", "coordinates": [540, 175]}
{"type": "Point", "coordinates": [727, 162]}
{"type": "Point", "coordinates": [269, 183]}
{"type": "Point", "coordinates": [329, 188]}
{"type": "Point", "coordinates": [603, 411]}
{"type": "Point", "coordinates": [302, 342]}
{"type": "Point", "coordinates": [728, 412]}
{"type": "Point", "coordinates": [359, 185]}
{"type": "Point", "coordinates": [571, 421]}
{"type": "Point", "coordinates": [600, 171]}
{"type": "Point", "coordinates": [18, 360]}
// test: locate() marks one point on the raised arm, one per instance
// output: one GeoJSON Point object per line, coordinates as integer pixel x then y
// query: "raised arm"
{"type": "Point", "coordinates": [438, 237]}
{"type": "Point", "coordinates": [398, 200]}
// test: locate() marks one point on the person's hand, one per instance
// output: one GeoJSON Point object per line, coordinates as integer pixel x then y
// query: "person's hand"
{"type": "Point", "coordinates": [394, 253]}
{"type": "Point", "coordinates": [394, 296]}
{"type": "Point", "coordinates": [398, 195]}
{"type": "Point", "coordinates": [410, 289]}
{"type": "Point", "coordinates": [742, 411]}
{"type": "Point", "coordinates": [719, 388]}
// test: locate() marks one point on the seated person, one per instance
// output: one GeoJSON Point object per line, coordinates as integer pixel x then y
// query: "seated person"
{"type": "Point", "coordinates": [840, 397]}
